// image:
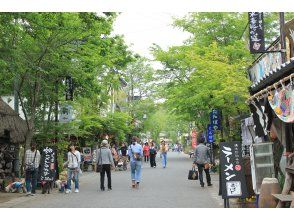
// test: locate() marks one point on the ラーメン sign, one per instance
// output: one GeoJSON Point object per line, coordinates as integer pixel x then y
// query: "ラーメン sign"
{"type": "Point", "coordinates": [256, 32]}
{"type": "Point", "coordinates": [232, 170]}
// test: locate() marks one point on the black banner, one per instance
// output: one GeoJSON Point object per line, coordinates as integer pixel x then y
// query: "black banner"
{"type": "Point", "coordinates": [256, 32]}
{"type": "Point", "coordinates": [69, 88]}
{"type": "Point", "coordinates": [48, 164]}
{"type": "Point", "coordinates": [232, 170]}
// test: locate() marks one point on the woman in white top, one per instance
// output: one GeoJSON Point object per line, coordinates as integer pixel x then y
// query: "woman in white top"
{"type": "Point", "coordinates": [73, 168]}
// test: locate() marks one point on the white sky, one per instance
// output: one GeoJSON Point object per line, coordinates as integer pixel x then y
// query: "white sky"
{"type": "Point", "coordinates": [142, 29]}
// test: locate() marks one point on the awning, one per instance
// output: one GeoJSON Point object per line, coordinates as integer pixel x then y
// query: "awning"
{"type": "Point", "coordinates": [274, 76]}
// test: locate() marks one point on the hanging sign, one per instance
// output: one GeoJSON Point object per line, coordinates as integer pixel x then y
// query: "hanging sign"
{"type": "Point", "coordinates": [215, 119]}
{"type": "Point", "coordinates": [232, 170]}
{"type": "Point", "coordinates": [48, 164]}
{"type": "Point", "coordinates": [66, 113]}
{"type": "Point", "coordinates": [210, 134]}
{"type": "Point", "coordinates": [256, 32]}
{"type": "Point", "coordinates": [69, 88]}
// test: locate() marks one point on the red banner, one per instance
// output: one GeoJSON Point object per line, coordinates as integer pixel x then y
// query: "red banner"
{"type": "Point", "coordinates": [194, 138]}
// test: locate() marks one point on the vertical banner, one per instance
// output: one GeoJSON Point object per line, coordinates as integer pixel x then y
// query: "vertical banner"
{"type": "Point", "coordinates": [66, 113]}
{"type": "Point", "coordinates": [232, 170]}
{"type": "Point", "coordinates": [194, 138]}
{"type": "Point", "coordinates": [69, 88]}
{"type": "Point", "coordinates": [210, 134]}
{"type": "Point", "coordinates": [215, 119]}
{"type": "Point", "coordinates": [48, 163]}
{"type": "Point", "coordinates": [256, 32]}
{"type": "Point", "coordinates": [87, 152]}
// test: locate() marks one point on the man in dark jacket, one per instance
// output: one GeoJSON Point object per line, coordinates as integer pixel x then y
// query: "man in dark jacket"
{"type": "Point", "coordinates": [202, 160]}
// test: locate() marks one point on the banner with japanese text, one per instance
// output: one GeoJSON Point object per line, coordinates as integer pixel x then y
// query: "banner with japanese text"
{"type": "Point", "coordinates": [232, 171]}
{"type": "Point", "coordinates": [256, 32]}
{"type": "Point", "coordinates": [48, 164]}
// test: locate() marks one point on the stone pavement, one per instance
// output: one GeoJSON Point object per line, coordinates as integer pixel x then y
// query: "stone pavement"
{"type": "Point", "coordinates": [160, 188]}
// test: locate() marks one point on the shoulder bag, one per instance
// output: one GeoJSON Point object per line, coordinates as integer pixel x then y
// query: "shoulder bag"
{"type": "Point", "coordinates": [31, 166]}
{"type": "Point", "coordinates": [99, 166]}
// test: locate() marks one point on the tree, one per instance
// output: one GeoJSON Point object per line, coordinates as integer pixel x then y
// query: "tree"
{"type": "Point", "coordinates": [39, 49]}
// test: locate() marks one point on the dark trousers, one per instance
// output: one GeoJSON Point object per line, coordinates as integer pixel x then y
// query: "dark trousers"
{"type": "Point", "coordinates": [31, 180]}
{"type": "Point", "coordinates": [152, 160]}
{"type": "Point", "coordinates": [200, 170]}
{"type": "Point", "coordinates": [146, 158]}
{"type": "Point", "coordinates": [105, 168]}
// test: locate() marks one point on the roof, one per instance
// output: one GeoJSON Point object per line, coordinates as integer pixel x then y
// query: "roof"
{"type": "Point", "coordinates": [273, 76]}
{"type": "Point", "coordinates": [10, 120]}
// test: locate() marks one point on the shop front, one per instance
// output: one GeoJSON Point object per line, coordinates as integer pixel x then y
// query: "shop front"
{"type": "Point", "coordinates": [269, 132]}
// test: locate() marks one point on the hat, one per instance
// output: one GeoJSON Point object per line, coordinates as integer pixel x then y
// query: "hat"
{"type": "Point", "coordinates": [104, 143]}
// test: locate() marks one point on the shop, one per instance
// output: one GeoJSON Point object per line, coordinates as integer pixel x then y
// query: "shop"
{"type": "Point", "coordinates": [269, 132]}
{"type": "Point", "coordinates": [12, 133]}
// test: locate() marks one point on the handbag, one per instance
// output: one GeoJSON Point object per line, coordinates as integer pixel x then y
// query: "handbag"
{"type": "Point", "coordinates": [99, 166]}
{"type": "Point", "coordinates": [206, 166]}
{"type": "Point", "coordinates": [193, 174]}
{"type": "Point", "coordinates": [137, 156]}
{"type": "Point", "coordinates": [31, 166]}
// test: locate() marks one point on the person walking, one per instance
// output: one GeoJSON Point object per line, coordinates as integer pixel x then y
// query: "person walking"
{"type": "Point", "coordinates": [105, 159]}
{"type": "Point", "coordinates": [32, 162]}
{"type": "Point", "coordinates": [202, 160]}
{"type": "Point", "coordinates": [153, 153]}
{"type": "Point", "coordinates": [163, 150]}
{"type": "Point", "coordinates": [136, 154]}
{"type": "Point", "coordinates": [146, 152]}
{"type": "Point", "coordinates": [73, 168]}
{"type": "Point", "coordinates": [114, 155]}
{"type": "Point", "coordinates": [124, 153]}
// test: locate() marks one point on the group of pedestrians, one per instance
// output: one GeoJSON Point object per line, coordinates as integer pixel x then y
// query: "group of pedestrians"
{"type": "Point", "coordinates": [105, 163]}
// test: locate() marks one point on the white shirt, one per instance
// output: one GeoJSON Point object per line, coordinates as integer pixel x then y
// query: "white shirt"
{"type": "Point", "coordinates": [74, 159]}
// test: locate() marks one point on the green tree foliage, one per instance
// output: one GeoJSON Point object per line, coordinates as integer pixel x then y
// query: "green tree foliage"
{"type": "Point", "coordinates": [38, 50]}
{"type": "Point", "coordinates": [209, 70]}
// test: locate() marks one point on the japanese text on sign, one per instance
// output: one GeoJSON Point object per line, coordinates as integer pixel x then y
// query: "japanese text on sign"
{"type": "Point", "coordinates": [69, 88]}
{"type": "Point", "coordinates": [48, 164]}
{"type": "Point", "coordinates": [232, 171]}
{"type": "Point", "coordinates": [256, 32]}
{"type": "Point", "coordinates": [215, 119]}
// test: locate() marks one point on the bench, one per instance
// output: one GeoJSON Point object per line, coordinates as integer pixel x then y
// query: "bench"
{"type": "Point", "coordinates": [283, 198]}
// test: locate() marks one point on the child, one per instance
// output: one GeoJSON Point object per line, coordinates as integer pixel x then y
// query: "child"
{"type": "Point", "coordinates": [17, 186]}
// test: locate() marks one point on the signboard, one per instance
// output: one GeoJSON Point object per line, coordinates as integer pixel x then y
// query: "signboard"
{"type": "Point", "coordinates": [69, 88]}
{"type": "Point", "coordinates": [194, 138]}
{"type": "Point", "coordinates": [48, 163]}
{"type": "Point", "coordinates": [87, 152]}
{"type": "Point", "coordinates": [256, 32]}
{"type": "Point", "coordinates": [210, 134]}
{"type": "Point", "coordinates": [66, 113]}
{"type": "Point", "coordinates": [215, 119]}
{"type": "Point", "coordinates": [232, 170]}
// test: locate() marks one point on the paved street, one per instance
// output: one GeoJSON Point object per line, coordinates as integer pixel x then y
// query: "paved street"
{"type": "Point", "coordinates": [160, 188]}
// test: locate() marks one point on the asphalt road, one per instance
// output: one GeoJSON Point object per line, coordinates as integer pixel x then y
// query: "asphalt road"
{"type": "Point", "coordinates": [160, 188]}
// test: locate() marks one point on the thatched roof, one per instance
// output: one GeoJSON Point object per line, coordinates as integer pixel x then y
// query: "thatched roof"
{"type": "Point", "coordinates": [10, 120]}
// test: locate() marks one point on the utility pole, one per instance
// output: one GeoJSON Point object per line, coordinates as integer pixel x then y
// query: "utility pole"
{"type": "Point", "coordinates": [283, 53]}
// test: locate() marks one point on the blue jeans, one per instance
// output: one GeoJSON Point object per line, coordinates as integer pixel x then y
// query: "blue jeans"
{"type": "Point", "coordinates": [70, 173]}
{"type": "Point", "coordinates": [136, 170]}
{"type": "Point", "coordinates": [164, 161]}
{"type": "Point", "coordinates": [31, 180]}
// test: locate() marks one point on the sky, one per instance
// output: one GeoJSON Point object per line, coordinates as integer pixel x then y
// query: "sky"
{"type": "Point", "coordinates": [142, 29]}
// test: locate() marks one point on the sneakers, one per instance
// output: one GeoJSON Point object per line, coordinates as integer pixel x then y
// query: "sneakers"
{"type": "Point", "coordinates": [28, 193]}
{"type": "Point", "coordinates": [32, 194]}
{"type": "Point", "coordinates": [76, 190]}
{"type": "Point", "coordinates": [68, 191]}
{"type": "Point", "coordinates": [209, 184]}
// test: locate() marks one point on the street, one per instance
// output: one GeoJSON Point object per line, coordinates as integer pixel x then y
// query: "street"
{"type": "Point", "coordinates": [160, 188]}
